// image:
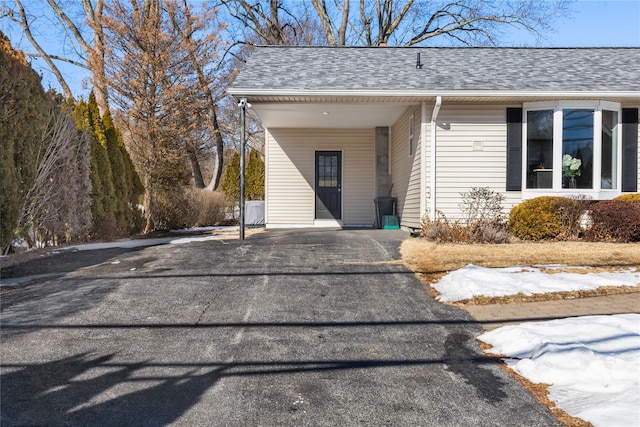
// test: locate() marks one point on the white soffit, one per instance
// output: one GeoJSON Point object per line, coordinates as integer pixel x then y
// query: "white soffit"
{"type": "Point", "coordinates": [316, 115]}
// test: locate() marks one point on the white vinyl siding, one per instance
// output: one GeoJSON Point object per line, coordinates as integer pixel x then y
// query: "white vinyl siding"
{"type": "Point", "coordinates": [471, 152]}
{"type": "Point", "coordinates": [290, 194]}
{"type": "Point", "coordinates": [405, 169]}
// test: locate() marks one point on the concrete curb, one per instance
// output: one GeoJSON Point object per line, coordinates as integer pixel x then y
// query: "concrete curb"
{"type": "Point", "coordinates": [493, 316]}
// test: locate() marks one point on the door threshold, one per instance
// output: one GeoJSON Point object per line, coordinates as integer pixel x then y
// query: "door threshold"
{"type": "Point", "coordinates": [327, 223]}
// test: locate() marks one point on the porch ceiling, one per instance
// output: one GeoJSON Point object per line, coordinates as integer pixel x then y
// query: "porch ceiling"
{"type": "Point", "coordinates": [328, 115]}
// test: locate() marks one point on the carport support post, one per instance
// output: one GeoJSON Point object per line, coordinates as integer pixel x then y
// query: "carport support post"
{"type": "Point", "coordinates": [243, 113]}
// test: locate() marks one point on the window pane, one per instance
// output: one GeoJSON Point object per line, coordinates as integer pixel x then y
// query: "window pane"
{"type": "Point", "coordinates": [609, 150]}
{"type": "Point", "coordinates": [577, 148]}
{"type": "Point", "coordinates": [328, 171]}
{"type": "Point", "coordinates": [539, 149]}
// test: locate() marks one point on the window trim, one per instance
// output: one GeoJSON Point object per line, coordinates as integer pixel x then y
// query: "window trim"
{"type": "Point", "coordinates": [558, 106]}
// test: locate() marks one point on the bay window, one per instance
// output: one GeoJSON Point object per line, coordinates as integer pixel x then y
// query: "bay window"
{"type": "Point", "coordinates": [571, 145]}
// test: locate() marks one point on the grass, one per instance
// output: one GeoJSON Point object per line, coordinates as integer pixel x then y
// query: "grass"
{"type": "Point", "coordinates": [431, 261]}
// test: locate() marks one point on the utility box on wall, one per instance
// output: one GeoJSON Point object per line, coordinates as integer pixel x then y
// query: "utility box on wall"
{"type": "Point", "coordinates": [254, 212]}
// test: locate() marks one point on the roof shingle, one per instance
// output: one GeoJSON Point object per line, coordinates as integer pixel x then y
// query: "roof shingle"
{"type": "Point", "coordinates": [464, 69]}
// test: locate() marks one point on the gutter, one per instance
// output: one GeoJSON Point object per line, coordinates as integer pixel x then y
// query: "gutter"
{"type": "Point", "coordinates": [432, 178]}
{"type": "Point", "coordinates": [253, 92]}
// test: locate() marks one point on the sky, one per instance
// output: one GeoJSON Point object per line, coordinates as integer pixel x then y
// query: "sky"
{"type": "Point", "coordinates": [593, 23]}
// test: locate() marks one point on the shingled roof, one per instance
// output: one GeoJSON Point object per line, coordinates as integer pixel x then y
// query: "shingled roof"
{"type": "Point", "coordinates": [330, 69]}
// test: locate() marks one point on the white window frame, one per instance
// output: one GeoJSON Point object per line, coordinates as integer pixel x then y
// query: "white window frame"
{"type": "Point", "coordinates": [596, 193]}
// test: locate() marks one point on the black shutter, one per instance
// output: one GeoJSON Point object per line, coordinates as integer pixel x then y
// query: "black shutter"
{"type": "Point", "coordinates": [514, 149]}
{"type": "Point", "coordinates": [630, 149]}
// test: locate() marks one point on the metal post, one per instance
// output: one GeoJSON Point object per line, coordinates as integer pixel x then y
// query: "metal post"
{"type": "Point", "coordinates": [243, 113]}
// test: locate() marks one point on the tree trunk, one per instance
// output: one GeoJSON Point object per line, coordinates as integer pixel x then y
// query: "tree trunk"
{"type": "Point", "coordinates": [148, 201]}
{"type": "Point", "coordinates": [198, 180]}
{"type": "Point", "coordinates": [219, 148]}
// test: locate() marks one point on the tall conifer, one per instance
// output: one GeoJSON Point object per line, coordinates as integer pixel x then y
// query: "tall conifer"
{"type": "Point", "coordinates": [23, 112]}
{"type": "Point", "coordinates": [255, 176]}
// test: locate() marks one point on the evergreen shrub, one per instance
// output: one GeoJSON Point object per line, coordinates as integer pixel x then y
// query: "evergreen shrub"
{"type": "Point", "coordinates": [542, 218]}
{"type": "Point", "coordinates": [629, 198]}
{"type": "Point", "coordinates": [614, 221]}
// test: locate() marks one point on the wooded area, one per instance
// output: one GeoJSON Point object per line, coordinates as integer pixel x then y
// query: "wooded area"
{"type": "Point", "coordinates": [159, 123]}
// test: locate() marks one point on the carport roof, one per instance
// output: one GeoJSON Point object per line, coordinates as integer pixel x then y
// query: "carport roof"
{"type": "Point", "coordinates": [282, 73]}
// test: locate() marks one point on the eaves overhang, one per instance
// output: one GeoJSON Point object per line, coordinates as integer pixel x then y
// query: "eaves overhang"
{"type": "Point", "coordinates": [355, 95]}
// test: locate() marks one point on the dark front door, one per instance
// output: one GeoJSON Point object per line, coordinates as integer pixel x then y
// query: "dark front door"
{"type": "Point", "coordinates": [328, 185]}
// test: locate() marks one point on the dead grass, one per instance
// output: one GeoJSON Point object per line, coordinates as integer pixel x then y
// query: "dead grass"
{"type": "Point", "coordinates": [430, 261]}
{"type": "Point", "coordinates": [552, 296]}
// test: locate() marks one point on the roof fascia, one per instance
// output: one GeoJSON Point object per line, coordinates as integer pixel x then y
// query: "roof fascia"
{"type": "Point", "coordinates": [240, 92]}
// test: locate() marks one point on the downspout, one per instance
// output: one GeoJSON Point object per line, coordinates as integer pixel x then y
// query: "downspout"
{"type": "Point", "coordinates": [432, 200]}
{"type": "Point", "coordinates": [423, 160]}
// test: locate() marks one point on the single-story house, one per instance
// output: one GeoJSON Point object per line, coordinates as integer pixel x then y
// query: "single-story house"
{"type": "Point", "coordinates": [345, 125]}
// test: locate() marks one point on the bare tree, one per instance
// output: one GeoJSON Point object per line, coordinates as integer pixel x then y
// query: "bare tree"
{"type": "Point", "coordinates": [274, 22]}
{"type": "Point", "coordinates": [84, 31]}
{"type": "Point", "coordinates": [328, 24]}
{"type": "Point", "coordinates": [57, 205]}
{"type": "Point", "coordinates": [159, 60]}
{"type": "Point", "coordinates": [409, 22]}
{"type": "Point", "coordinates": [93, 51]}
{"type": "Point", "coordinates": [202, 52]}
{"type": "Point", "coordinates": [20, 17]}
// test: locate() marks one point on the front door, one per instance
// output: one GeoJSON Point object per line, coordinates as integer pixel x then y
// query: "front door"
{"type": "Point", "coordinates": [328, 185]}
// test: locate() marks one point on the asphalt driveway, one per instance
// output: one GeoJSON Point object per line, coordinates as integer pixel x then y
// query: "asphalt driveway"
{"type": "Point", "coordinates": [300, 327]}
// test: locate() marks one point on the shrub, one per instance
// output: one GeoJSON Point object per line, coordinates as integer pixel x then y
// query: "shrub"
{"type": "Point", "coordinates": [171, 209]}
{"type": "Point", "coordinates": [483, 216]}
{"type": "Point", "coordinates": [481, 205]}
{"type": "Point", "coordinates": [441, 230]}
{"type": "Point", "coordinates": [491, 232]}
{"type": "Point", "coordinates": [207, 207]}
{"type": "Point", "coordinates": [614, 220]}
{"type": "Point", "coordinates": [541, 218]}
{"type": "Point", "coordinates": [483, 220]}
{"type": "Point", "coordinates": [106, 230]}
{"type": "Point", "coordinates": [572, 211]}
{"type": "Point", "coordinates": [629, 198]}
{"type": "Point", "coordinates": [188, 207]}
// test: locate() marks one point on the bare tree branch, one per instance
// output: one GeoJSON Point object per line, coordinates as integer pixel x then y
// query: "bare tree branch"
{"type": "Point", "coordinates": [59, 58]}
{"type": "Point", "coordinates": [198, 65]}
{"type": "Point", "coordinates": [24, 23]}
{"type": "Point", "coordinates": [71, 26]}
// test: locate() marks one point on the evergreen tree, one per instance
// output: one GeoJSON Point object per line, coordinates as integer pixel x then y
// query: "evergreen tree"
{"type": "Point", "coordinates": [103, 194]}
{"type": "Point", "coordinates": [127, 185]}
{"type": "Point", "coordinates": [231, 179]}
{"type": "Point", "coordinates": [254, 177]}
{"type": "Point", "coordinates": [100, 153]}
{"type": "Point", "coordinates": [23, 111]}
